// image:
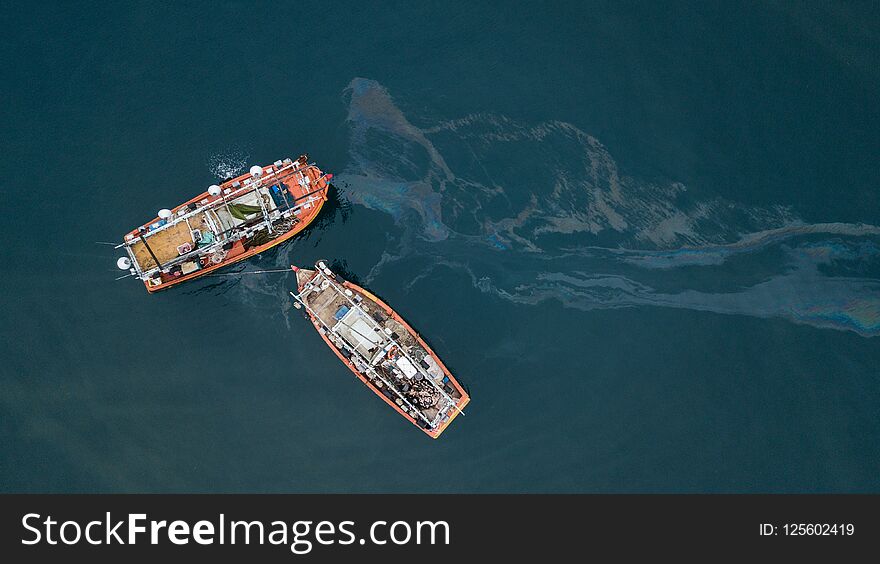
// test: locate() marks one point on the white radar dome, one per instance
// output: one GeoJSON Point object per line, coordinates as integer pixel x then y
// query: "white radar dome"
{"type": "Point", "coordinates": [256, 170]}
{"type": "Point", "coordinates": [165, 213]}
{"type": "Point", "coordinates": [124, 263]}
{"type": "Point", "coordinates": [214, 190]}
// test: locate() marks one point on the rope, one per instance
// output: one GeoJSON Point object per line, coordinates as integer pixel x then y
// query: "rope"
{"type": "Point", "coordinates": [248, 272]}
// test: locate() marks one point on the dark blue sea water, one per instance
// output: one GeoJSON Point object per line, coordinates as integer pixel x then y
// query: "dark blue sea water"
{"type": "Point", "coordinates": [643, 235]}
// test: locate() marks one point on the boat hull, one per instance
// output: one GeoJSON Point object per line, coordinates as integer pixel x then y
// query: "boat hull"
{"type": "Point", "coordinates": [464, 396]}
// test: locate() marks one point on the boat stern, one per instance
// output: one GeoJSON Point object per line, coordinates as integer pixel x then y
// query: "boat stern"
{"type": "Point", "coordinates": [459, 407]}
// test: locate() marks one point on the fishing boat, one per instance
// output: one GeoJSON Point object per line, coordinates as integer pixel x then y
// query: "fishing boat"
{"type": "Point", "coordinates": [226, 224]}
{"type": "Point", "coordinates": [380, 348]}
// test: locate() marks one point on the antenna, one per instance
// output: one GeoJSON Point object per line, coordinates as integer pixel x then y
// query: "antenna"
{"type": "Point", "coordinates": [165, 214]}
{"type": "Point", "coordinates": [214, 190]}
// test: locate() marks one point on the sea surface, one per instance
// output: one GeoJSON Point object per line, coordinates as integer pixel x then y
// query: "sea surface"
{"type": "Point", "coordinates": [643, 235]}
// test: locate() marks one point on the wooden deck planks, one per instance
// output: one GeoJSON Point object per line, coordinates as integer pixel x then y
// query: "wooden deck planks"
{"type": "Point", "coordinates": [164, 244]}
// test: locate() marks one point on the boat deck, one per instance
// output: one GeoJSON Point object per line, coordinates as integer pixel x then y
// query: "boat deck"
{"type": "Point", "coordinates": [326, 303]}
{"type": "Point", "coordinates": [164, 243]}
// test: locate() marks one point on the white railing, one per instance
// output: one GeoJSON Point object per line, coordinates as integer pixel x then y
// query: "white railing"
{"type": "Point", "coordinates": [216, 202]}
{"type": "Point", "coordinates": [199, 251]}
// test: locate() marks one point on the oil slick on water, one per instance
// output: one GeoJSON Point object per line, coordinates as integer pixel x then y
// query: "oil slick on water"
{"type": "Point", "coordinates": [482, 192]}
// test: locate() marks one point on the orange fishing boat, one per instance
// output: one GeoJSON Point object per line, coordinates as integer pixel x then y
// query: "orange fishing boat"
{"type": "Point", "coordinates": [381, 349]}
{"type": "Point", "coordinates": [228, 223]}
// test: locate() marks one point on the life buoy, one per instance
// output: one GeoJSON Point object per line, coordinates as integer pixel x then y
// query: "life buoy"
{"type": "Point", "coordinates": [218, 257]}
{"type": "Point", "coordinates": [391, 353]}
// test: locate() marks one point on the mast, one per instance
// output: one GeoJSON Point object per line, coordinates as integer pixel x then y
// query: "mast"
{"type": "Point", "coordinates": [147, 245]}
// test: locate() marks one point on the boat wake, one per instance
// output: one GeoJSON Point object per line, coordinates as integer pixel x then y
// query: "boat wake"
{"type": "Point", "coordinates": [228, 163]}
{"type": "Point", "coordinates": [535, 212]}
